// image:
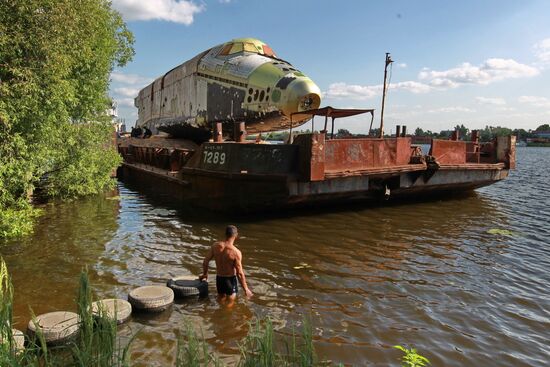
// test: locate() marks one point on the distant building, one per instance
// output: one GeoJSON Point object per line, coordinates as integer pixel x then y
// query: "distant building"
{"type": "Point", "coordinates": [542, 134]}
{"type": "Point", "coordinates": [112, 112]}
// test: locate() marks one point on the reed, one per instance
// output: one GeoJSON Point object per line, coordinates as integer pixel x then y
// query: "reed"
{"type": "Point", "coordinates": [260, 349]}
{"type": "Point", "coordinates": [9, 355]}
{"type": "Point", "coordinates": [192, 351]}
{"type": "Point", "coordinates": [96, 344]}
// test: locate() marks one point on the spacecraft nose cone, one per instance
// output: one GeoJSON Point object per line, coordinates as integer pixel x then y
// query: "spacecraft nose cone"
{"type": "Point", "coordinates": [302, 95]}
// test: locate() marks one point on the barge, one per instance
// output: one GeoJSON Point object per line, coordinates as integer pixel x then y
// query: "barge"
{"type": "Point", "coordinates": [208, 103]}
{"type": "Point", "coordinates": [316, 168]}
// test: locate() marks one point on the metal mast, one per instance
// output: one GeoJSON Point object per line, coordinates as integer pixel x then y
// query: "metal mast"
{"type": "Point", "coordinates": [388, 61]}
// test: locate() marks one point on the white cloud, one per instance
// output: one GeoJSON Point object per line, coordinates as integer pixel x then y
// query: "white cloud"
{"type": "Point", "coordinates": [490, 71]}
{"type": "Point", "coordinates": [506, 109]}
{"type": "Point", "coordinates": [542, 50]}
{"type": "Point", "coordinates": [466, 74]}
{"type": "Point", "coordinates": [125, 102]}
{"type": "Point", "coordinates": [354, 91]}
{"type": "Point", "coordinates": [496, 101]}
{"type": "Point", "coordinates": [126, 92]}
{"type": "Point", "coordinates": [402, 65]}
{"type": "Point", "coordinates": [411, 86]}
{"type": "Point", "coordinates": [178, 11]}
{"type": "Point", "coordinates": [343, 90]}
{"type": "Point", "coordinates": [451, 109]}
{"type": "Point", "coordinates": [535, 101]}
{"type": "Point", "coordinates": [131, 79]}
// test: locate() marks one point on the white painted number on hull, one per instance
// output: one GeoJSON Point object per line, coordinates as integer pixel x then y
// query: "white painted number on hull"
{"type": "Point", "coordinates": [214, 158]}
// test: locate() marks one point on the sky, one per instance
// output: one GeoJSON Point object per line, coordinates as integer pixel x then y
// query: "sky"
{"type": "Point", "coordinates": [471, 62]}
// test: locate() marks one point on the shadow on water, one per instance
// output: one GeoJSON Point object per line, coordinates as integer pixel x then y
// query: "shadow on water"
{"type": "Point", "coordinates": [157, 197]}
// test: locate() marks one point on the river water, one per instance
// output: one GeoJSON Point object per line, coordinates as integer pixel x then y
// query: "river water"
{"type": "Point", "coordinates": [432, 275]}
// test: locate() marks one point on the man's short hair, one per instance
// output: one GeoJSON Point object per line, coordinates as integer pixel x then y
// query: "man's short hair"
{"type": "Point", "coordinates": [231, 231]}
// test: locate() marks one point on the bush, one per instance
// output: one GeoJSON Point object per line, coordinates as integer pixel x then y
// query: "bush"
{"type": "Point", "coordinates": [55, 61]}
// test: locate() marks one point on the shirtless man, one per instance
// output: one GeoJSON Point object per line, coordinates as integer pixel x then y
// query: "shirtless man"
{"type": "Point", "coordinates": [228, 265]}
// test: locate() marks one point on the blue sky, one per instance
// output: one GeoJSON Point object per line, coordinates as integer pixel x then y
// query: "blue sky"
{"type": "Point", "coordinates": [472, 62]}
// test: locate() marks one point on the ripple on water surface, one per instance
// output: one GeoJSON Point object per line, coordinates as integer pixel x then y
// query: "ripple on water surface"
{"type": "Point", "coordinates": [432, 275]}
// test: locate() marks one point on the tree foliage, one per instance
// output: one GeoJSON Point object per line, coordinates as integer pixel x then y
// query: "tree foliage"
{"type": "Point", "coordinates": [55, 60]}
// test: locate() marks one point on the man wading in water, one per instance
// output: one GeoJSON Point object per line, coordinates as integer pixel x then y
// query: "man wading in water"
{"type": "Point", "coordinates": [228, 266]}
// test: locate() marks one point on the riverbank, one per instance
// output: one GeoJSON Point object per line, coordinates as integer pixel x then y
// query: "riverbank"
{"type": "Point", "coordinates": [538, 145]}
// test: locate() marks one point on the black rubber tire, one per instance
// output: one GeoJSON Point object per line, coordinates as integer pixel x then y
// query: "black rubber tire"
{"type": "Point", "coordinates": [188, 286]}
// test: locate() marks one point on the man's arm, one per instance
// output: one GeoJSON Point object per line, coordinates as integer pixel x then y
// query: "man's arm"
{"type": "Point", "coordinates": [240, 274]}
{"type": "Point", "coordinates": [205, 264]}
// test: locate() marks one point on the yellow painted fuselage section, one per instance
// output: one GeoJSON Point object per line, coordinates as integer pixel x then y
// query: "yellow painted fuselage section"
{"type": "Point", "coordinates": [238, 81]}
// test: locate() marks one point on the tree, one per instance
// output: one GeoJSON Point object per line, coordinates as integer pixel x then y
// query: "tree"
{"type": "Point", "coordinates": [521, 134]}
{"type": "Point", "coordinates": [55, 60]}
{"type": "Point", "coordinates": [490, 132]}
{"type": "Point", "coordinates": [343, 133]}
{"type": "Point", "coordinates": [544, 127]}
{"type": "Point", "coordinates": [419, 132]}
{"type": "Point", "coordinates": [463, 131]}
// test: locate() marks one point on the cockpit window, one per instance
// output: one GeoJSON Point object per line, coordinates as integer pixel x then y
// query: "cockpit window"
{"type": "Point", "coordinates": [236, 47]}
{"type": "Point", "coordinates": [225, 49]}
{"type": "Point", "coordinates": [250, 47]}
{"type": "Point", "coordinates": [268, 51]}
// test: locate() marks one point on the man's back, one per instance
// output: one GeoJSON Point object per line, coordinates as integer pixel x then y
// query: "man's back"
{"type": "Point", "coordinates": [229, 266]}
{"type": "Point", "coordinates": [225, 256]}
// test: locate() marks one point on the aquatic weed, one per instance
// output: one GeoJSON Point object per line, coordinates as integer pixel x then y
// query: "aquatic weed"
{"type": "Point", "coordinates": [412, 358]}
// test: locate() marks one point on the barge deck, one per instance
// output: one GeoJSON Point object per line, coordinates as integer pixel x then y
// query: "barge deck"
{"type": "Point", "coordinates": [314, 168]}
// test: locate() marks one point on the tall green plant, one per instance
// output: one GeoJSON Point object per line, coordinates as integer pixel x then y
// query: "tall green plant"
{"type": "Point", "coordinates": [6, 311]}
{"type": "Point", "coordinates": [260, 349]}
{"type": "Point", "coordinates": [9, 354]}
{"type": "Point", "coordinates": [56, 57]}
{"type": "Point", "coordinates": [192, 351]}
{"type": "Point", "coordinates": [97, 343]}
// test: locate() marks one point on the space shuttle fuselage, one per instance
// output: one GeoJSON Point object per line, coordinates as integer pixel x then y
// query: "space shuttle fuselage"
{"type": "Point", "coordinates": [238, 81]}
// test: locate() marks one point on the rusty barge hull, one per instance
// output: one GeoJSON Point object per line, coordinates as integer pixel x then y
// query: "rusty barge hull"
{"type": "Point", "coordinates": [248, 177]}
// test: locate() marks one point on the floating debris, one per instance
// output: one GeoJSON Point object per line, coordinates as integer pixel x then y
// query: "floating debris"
{"type": "Point", "coordinates": [302, 266]}
{"type": "Point", "coordinates": [501, 232]}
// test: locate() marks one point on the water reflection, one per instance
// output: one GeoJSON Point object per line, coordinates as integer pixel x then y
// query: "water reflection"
{"type": "Point", "coordinates": [423, 273]}
{"type": "Point", "coordinates": [45, 265]}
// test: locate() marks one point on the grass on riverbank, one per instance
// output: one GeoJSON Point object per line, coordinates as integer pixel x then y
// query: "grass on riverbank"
{"type": "Point", "coordinates": [95, 345]}
{"type": "Point", "coordinates": [258, 349]}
